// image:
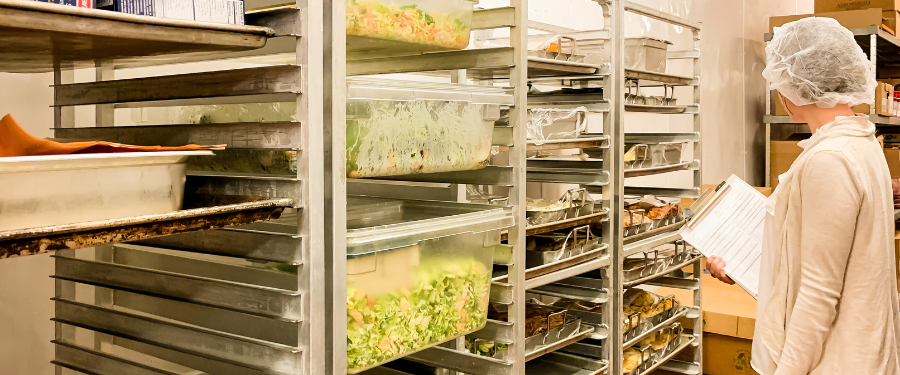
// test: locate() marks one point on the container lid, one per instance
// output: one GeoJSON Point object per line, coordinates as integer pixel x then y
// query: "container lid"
{"type": "Point", "coordinates": [379, 224]}
{"type": "Point", "coordinates": [46, 163]}
{"type": "Point", "coordinates": [385, 89]}
{"type": "Point", "coordinates": [648, 39]}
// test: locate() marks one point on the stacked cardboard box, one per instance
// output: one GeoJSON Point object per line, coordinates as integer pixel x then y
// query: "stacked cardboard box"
{"type": "Point", "coordinates": [883, 103]}
{"type": "Point", "coordinates": [76, 3]}
{"type": "Point", "coordinates": [219, 11]}
{"type": "Point", "coordinates": [851, 19]}
{"type": "Point", "coordinates": [783, 153]}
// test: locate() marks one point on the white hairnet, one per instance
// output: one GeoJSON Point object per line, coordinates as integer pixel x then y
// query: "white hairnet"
{"type": "Point", "coordinates": [816, 61]}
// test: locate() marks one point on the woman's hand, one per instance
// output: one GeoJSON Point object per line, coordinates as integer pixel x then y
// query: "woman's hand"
{"type": "Point", "coordinates": [716, 267]}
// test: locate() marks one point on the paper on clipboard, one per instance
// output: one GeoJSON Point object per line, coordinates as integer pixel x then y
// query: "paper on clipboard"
{"type": "Point", "coordinates": [731, 226]}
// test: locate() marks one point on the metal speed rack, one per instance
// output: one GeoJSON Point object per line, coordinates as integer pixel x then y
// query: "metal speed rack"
{"type": "Point", "coordinates": [252, 277]}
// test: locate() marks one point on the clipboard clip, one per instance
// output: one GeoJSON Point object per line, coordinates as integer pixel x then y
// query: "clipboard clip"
{"type": "Point", "coordinates": [707, 200]}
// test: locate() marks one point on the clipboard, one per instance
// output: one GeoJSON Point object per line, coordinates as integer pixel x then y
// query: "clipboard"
{"type": "Point", "coordinates": [728, 222]}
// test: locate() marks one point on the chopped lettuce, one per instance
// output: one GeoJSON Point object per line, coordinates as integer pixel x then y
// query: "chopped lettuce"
{"type": "Point", "coordinates": [421, 136]}
{"type": "Point", "coordinates": [450, 299]}
{"type": "Point", "coordinates": [406, 23]}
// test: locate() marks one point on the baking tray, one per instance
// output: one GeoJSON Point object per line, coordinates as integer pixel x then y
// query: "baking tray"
{"type": "Point", "coordinates": [647, 362]}
{"type": "Point", "coordinates": [638, 229]}
{"type": "Point", "coordinates": [553, 336]}
{"type": "Point", "coordinates": [565, 364]}
{"type": "Point", "coordinates": [589, 253]}
{"type": "Point", "coordinates": [637, 268]}
{"type": "Point", "coordinates": [42, 191]}
{"type": "Point", "coordinates": [576, 203]}
{"type": "Point", "coordinates": [583, 332]}
{"type": "Point", "coordinates": [571, 245]}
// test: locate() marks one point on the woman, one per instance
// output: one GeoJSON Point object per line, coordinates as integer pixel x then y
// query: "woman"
{"type": "Point", "coordinates": [828, 296]}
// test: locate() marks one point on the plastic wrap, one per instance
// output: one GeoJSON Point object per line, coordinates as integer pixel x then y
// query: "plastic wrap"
{"type": "Point", "coordinates": [540, 118]}
{"type": "Point", "coordinates": [669, 153]}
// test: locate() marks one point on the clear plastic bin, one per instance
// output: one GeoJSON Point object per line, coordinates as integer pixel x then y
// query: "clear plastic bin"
{"type": "Point", "coordinates": [399, 127]}
{"type": "Point", "coordinates": [418, 274]}
{"type": "Point", "coordinates": [445, 24]}
{"type": "Point", "coordinates": [648, 54]}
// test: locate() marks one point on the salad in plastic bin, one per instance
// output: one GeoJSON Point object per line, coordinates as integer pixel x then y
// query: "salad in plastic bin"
{"type": "Point", "coordinates": [443, 23]}
{"type": "Point", "coordinates": [389, 317]}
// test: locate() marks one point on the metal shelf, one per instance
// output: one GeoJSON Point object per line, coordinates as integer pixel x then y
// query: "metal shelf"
{"type": "Point", "coordinates": [565, 364]}
{"type": "Point", "coordinates": [640, 172]}
{"type": "Point", "coordinates": [38, 37]}
{"type": "Point", "coordinates": [283, 79]}
{"type": "Point", "coordinates": [656, 138]}
{"type": "Point", "coordinates": [648, 78]}
{"type": "Point", "coordinates": [564, 144]}
{"type": "Point", "coordinates": [661, 109]}
{"type": "Point", "coordinates": [651, 240]}
{"type": "Point", "coordinates": [578, 288]}
{"type": "Point", "coordinates": [75, 236]}
{"type": "Point", "coordinates": [567, 224]}
{"type": "Point", "coordinates": [875, 119]}
{"type": "Point", "coordinates": [594, 103]}
{"type": "Point", "coordinates": [661, 16]}
{"type": "Point", "coordinates": [686, 340]}
{"type": "Point", "coordinates": [689, 312]}
{"type": "Point", "coordinates": [584, 332]}
{"type": "Point", "coordinates": [663, 273]}
{"type": "Point", "coordinates": [566, 273]}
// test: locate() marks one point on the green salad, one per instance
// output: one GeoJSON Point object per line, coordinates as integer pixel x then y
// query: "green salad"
{"type": "Point", "coordinates": [422, 136]}
{"type": "Point", "coordinates": [407, 23]}
{"type": "Point", "coordinates": [449, 299]}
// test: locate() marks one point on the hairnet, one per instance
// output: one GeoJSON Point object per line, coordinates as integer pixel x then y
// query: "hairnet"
{"type": "Point", "coordinates": [817, 61]}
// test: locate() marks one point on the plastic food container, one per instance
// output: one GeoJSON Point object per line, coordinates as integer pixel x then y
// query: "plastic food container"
{"type": "Point", "coordinates": [664, 154]}
{"type": "Point", "coordinates": [424, 24]}
{"type": "Point", "coordinates": [646, 54]}
{"type": "Point", "coordinates": [41, 191]}
{"type": "Point", "coordinates": [399, 127]}
{"type": "Point", "coordinates": [418, 274]}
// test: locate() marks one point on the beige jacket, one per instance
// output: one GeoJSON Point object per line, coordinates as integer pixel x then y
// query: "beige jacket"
{"type": "Point", "coordinates": [834, 304]}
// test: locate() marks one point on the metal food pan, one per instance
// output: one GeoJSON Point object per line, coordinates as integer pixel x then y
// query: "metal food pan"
{"type": "Point", "coordinates": [539, 217]}
{"type": "Point", "coordinates": [634, 230]}
{"type": "Point", "coordinates": [581, 203]}
{"type": "Point", "coordinates": [571, 246]}
{"type": "Point", "coordinates": [52, 190]}
{"type": "Point", "coordinates": [553, 336]}
{"type": "Point", "coordinates": [649, 266]}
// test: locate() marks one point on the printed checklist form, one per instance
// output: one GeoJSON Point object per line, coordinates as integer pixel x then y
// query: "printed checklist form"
{"type": "Point", "coordinates": [729, 224]}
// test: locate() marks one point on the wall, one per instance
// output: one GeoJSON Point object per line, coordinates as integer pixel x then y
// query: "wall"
{"type": "Point", "coordinates": [25, 306]}
{"type": "Point", "coordinates": [732, 114]}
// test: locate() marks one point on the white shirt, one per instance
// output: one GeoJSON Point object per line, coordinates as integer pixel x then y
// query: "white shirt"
{"type": "Point", "coordinates": [840, 308]}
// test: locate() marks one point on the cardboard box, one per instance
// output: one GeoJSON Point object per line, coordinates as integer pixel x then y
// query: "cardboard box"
{"type": "Point", "coordinates": [852, 20]}
{"type": "Point", "coordinates": [893, 161]}
{"type": "Point", "coordinates": [844, 5]}
{"type": "Point", "coordinates": [780, 110]}
{"type": "Point", "coordinates": [881, 96]}
{"type": "Point", "coordinates": [781, 156]}
{"type": "Point", "coordinates": [783, 153]}
{"type": "Point", "coordinates": [884, 93]}
{"type": "Point", "coordinates": [724, 355]}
